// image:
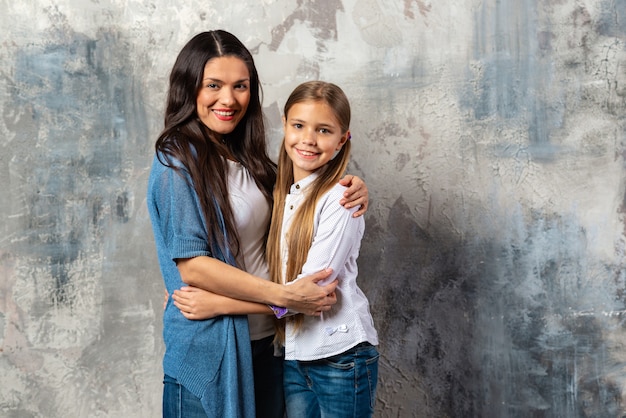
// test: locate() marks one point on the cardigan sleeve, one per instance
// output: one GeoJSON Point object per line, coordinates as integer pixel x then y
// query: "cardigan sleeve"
{"type": "Point", "coordinates": [180, 217]}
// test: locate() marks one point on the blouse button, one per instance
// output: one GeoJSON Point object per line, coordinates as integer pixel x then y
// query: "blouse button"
{"type": "Point", "coordinates": [291, 207]}
{"type": "Point", "coordinates": [297, 186]}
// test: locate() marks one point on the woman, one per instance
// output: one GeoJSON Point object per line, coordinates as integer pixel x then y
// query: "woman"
{"type": "Point", "coordinates": [209, 198]}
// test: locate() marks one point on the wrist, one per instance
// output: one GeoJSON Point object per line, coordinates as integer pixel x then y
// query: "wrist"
{"type": "Point", "coordinates": [283, 296]}
{"type": "Point", "coordinates": [268, 292]}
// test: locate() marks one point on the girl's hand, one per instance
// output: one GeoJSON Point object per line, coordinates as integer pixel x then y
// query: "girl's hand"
{"type": "Point", "coordinates": [196, 303]}
{"type": "Point", "coordinates": [356, 194]}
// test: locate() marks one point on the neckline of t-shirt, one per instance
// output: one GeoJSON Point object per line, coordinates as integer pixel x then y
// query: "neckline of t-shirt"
{"type": "Point", "coordinates": [233, 162]}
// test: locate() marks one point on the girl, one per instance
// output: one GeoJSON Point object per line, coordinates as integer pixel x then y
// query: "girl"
{"type": "Point", "coordinates": [331, 364]}
{"type": "Point", "coordinates": [209, 199]}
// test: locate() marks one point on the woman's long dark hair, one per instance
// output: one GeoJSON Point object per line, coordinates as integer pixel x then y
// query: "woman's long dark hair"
{"type": "Point", "coordinates": [187, 139]}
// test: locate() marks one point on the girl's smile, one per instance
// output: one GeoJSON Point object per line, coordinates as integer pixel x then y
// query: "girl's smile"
{"type": "Point", "coordinates": [306, 154]}
{"type": "Point", "coordinates": [312, 136]}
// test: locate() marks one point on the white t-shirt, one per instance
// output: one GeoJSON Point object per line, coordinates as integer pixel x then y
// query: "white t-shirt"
{"type": "Point", "coordinates": [252, 215]}
{"type": "Point", "coordinates": [336, 243]}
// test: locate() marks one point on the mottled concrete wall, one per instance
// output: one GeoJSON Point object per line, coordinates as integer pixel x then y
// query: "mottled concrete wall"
{"type": "Point", "coordinates": [492, 136]}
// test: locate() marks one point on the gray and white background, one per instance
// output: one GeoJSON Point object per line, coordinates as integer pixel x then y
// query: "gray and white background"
{"type": "Point", "coordinates": [492, 137]}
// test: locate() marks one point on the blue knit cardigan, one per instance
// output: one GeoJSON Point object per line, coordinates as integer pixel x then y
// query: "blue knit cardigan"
{"type": "Point", "coordinates": [211, 358]}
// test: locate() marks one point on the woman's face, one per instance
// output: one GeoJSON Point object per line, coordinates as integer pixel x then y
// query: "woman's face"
{"type": "Point", "coordinates": [225, 94]}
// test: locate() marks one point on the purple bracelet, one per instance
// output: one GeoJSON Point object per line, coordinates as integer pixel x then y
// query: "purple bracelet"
{"type": "Point", "coordinates": [279, 311]}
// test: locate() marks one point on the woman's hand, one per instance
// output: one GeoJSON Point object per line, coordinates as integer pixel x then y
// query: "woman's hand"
{"type": "Point", "coordinates": [196, 303]}
{"type": "Point", "coordinates": [356, 194]}
{"type": "Point", "coordinates": [308, 297]}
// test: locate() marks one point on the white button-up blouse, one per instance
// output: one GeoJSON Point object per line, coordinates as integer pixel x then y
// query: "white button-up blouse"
{"type": "Point", "coordinates": [336, 243]}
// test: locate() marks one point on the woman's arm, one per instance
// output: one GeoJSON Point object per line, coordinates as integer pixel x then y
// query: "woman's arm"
{"type": "Point", "coordinates": [197, 304]}
{"type": "Point", "coordinates": [179, 223]}
{"type": "Point", "coordinates": [305, 296]}
{"type": "Point", "coordinates": [356, 195]}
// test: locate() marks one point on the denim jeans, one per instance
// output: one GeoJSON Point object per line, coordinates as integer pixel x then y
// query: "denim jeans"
{"type": "Point", "coordinates": [178, 402]}
{"type": "Point", "coordinates": [341, 386]}
{"type": "Point", "coordinates": [268, 379]}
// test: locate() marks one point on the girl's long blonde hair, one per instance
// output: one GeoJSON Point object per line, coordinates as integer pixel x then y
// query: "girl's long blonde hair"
{"type": "Point", "coordinates": [300, 234]}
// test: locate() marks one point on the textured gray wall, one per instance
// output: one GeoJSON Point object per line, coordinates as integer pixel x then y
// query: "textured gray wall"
{"type": "Point", "coordinates": [491, 134]}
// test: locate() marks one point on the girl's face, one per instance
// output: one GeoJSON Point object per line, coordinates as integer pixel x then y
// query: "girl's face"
{"type": "Point", "coordinates": [312, 136]}
{"type": "Point", "coordinates": [225, 94]}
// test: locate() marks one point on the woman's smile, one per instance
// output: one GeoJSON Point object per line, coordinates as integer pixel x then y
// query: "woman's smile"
{"type": "Point", "coordinates": [225, 94]}
{"type": "Point", "coordinates": [224, 114]}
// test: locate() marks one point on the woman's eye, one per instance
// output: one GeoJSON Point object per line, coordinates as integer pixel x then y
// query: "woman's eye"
{"type": "Point", "coordinates": [212, 86]}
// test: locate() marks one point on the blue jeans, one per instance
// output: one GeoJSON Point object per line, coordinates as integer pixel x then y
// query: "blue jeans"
{"type": "Point", "coordinates": [268, 379]}
{"type": "Point", "coordinates": [178, 402]}
{"type": "Point", "coordinates": [341, 386]}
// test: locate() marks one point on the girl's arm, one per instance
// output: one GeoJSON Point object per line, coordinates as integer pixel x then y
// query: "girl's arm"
{"type": "Point", "coordinates": [305, 296]}
{"type": "Point", "coordinates": [355, 195]}
{"type": "Point", "coordinates": [337, 238]}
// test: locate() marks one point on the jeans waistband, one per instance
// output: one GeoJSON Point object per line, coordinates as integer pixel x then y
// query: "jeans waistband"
{"type": "Point", "coordinates": [356, 347]}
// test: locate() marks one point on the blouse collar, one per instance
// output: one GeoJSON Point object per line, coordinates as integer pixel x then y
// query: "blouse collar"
{"type": "Point", "coordinates": [298, 187]}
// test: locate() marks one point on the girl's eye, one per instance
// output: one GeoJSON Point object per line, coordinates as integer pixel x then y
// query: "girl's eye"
{"type": "Point", "coordinates": [324, 130]}
{"type": "Point", "coordinates": [297, 125]}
